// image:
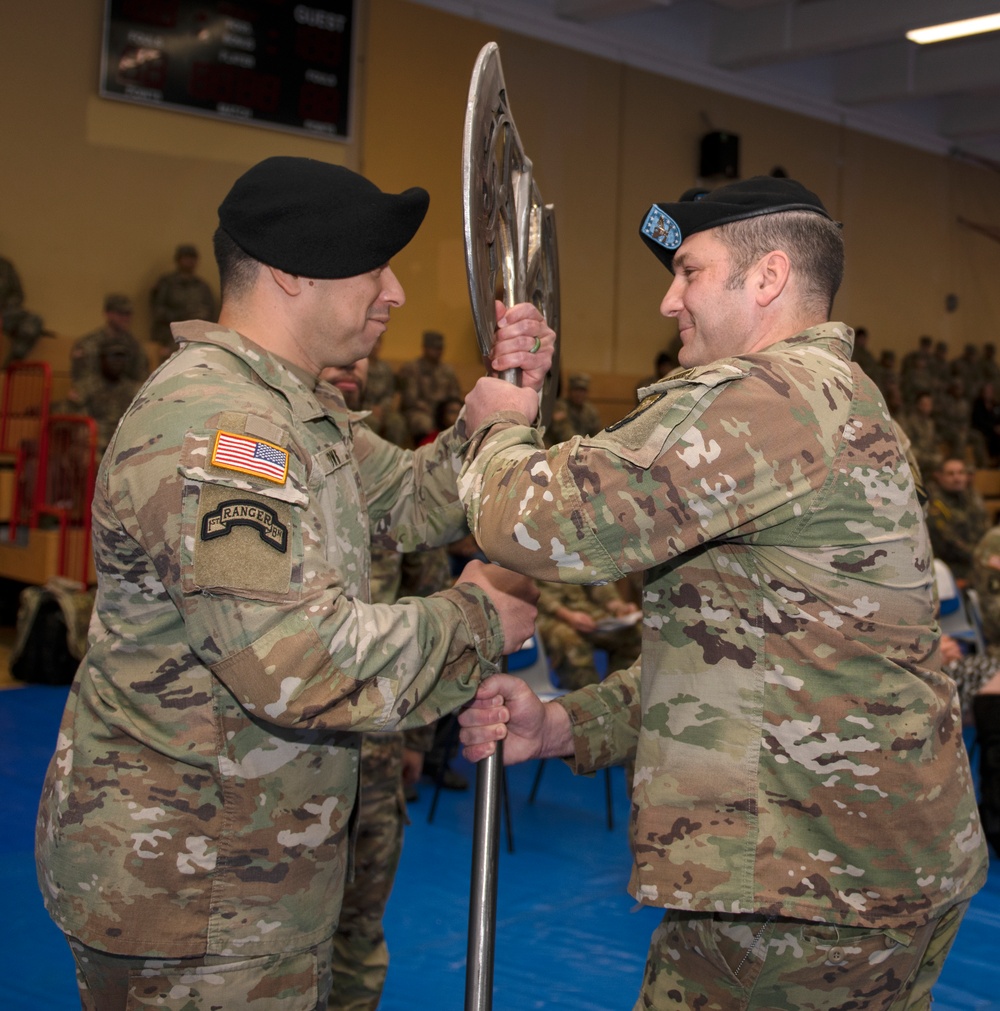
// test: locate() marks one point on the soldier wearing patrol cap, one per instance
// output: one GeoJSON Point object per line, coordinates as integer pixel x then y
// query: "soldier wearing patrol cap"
{"type": "Point", "coordinates": [85, 354]}
{"type": "Point", "coordinates": [424, 384]}
{"type": "Point", "coordinates": [178, 296]}
{"type": "Point", "coordinates": [802, 803]}
{"type": "Point", "coordinates": [574, 414]}
{"type": "Point", "coordinates": [195, 827]}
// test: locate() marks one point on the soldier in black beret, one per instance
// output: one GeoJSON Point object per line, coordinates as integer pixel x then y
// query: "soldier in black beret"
{"type": "Point", "coordinates": [239, 657]}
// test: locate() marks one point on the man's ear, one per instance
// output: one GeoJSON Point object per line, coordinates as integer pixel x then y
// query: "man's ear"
{"type": "Point", "coordinates": [770, 276]}
{"type": "Point", "coordinates": [290, 284]}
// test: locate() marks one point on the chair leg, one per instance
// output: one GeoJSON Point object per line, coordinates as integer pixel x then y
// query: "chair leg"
{"type": "Point", "coordinates": [537, 782]}
{"type": "Point", "coordinates": [607, 798]}
{"type": "Point", "coordinates": [450, 736]}
{"type": "Point", "coordinates": [986, 713]}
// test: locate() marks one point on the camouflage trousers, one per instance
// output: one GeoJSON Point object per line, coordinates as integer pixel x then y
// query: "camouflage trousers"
{"type": "Point", "coordinates": [572, 654]}
{"type": "Point", "coordinates": [738, 963]}
{"type": "Point", "coordinates": [289, 981]}
{"type": "Point", "coordinates": [360, 954]}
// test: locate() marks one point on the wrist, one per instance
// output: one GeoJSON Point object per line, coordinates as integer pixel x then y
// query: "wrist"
{"type": "Point", "coordinates": [557, 732]}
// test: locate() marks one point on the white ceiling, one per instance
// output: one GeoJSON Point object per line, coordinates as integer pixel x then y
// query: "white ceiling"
{"type": "Point", "coordinates": [844, 61]}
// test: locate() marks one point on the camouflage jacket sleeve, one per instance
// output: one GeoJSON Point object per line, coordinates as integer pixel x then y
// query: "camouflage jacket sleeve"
{"type": "Point", "coordinates": [605, 718]}
{"type": "Point", "coordinates": [412, 495]}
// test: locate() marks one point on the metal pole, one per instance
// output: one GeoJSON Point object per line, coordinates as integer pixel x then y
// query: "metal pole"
{"type": "Point", "coordinates": [509, 245]}
{"type": "Point", "coordinates": [483, 890]}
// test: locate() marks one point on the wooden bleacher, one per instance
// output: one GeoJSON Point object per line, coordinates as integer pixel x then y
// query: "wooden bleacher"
{"type": "Point", "coordinates": [987, 482]}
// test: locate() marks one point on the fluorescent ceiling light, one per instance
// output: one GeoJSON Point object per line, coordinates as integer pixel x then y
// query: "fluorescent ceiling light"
{"type": "Point", "coordinates": [955, 29]}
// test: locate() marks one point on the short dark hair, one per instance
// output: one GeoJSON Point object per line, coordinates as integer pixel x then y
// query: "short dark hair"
{"type": "Point", "coordinates": [814, 244]}
{"type": "Point", "coordinates": [237, 269]}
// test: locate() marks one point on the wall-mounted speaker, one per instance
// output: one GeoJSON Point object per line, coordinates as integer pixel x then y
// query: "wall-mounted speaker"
{"type": "Point", "coordinates": [720, 155]}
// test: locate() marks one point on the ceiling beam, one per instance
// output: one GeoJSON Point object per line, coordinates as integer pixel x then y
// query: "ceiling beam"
{"type": "Point", "coordinates": [903, 70]}
{"type": "Point", "coordinates": [791, 31]}
{"type": "Point", "coordinates": [597, 10]}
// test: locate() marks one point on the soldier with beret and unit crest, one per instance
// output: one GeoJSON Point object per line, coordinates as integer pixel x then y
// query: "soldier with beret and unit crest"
{"type": "Point", "coordinates": [195, 828]}
{"type": "Point", "coordinates": [802, 805]}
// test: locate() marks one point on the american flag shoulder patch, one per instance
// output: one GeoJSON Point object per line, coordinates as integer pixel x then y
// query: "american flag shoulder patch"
{"type": "Point", "coordinates": [250, 456]}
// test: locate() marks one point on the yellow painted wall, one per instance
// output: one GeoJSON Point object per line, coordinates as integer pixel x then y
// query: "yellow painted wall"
{"type": "Point", "coordinates": [97, 193]}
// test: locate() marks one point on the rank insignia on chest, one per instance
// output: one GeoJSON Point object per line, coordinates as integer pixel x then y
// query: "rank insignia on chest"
{"type": "Point", "coordinates": [250, 456]}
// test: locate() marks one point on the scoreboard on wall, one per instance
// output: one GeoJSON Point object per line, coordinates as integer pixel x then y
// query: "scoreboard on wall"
{"type": "Point", "coordinates": [275, 63]}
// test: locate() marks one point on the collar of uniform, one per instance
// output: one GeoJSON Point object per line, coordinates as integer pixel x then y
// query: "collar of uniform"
{"type": "Point", "coordinates": [271, 369]}
{"type": "Point", "coordinates": [838, 338]}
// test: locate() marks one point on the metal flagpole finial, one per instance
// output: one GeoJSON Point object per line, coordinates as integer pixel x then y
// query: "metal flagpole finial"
{"type": "Point", "coordinates": [510, 240]}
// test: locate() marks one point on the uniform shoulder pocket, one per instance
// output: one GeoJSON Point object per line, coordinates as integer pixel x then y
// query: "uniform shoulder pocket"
{"type": "Point", "coordinates": [241, 529]}
{"type": "Point", "coordinates": [667, 414]}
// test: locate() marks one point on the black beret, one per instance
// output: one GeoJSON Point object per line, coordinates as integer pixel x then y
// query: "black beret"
{"type": "Point", "coordinates": [667, 224]}
{"type": "Point", "coordinates": [313, 219]}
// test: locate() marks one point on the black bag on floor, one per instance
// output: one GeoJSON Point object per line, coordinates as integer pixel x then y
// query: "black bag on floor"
{"type": "Point", "coordinates": [51, 633]}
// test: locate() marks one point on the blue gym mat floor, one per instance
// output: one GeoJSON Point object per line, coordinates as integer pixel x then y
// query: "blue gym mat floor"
{"type": "Point", "coordinates": [568, 935]}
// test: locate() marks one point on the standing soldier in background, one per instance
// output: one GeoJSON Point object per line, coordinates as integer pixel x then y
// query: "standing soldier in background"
{"type": "Point", "coordinates": [571, 622]}
{"type": "Point", "coordinates": [423, 384]}
{"type": "Point", "coordinates": [178, 296]}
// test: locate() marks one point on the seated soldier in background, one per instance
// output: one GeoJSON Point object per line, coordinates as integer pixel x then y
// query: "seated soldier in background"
{"type": "Point", "coordinates": [379, 396]}
{"type": "Point", "coordinates": [956, 516]}
{"type": "Point", "coordinates": [986, 702]}
{"type": "Point", "coordinates": [574, 415]}
{"type": "Point", "coordinates": [918, 423]}
{"type": "Point", "coordinates": [573, 621]}
{"type": "Point", "coordinates": [424, 383]}
{"type": "Point", "coordinates": [85, 355]}
{"type": "Point", "coordinates": [106, 396]}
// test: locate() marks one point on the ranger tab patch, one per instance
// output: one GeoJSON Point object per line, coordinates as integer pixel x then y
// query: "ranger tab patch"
{"type": "Point", "coordinates": [662, 228]}
{"type": "Point", "coordinates": [245, 513]}
{"type": "Point", "coordinates": [250, 456]}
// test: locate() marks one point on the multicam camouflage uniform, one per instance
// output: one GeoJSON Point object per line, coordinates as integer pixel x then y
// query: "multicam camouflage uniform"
{"type": "Point", "coordinates": [957, 521]}
{"type": "Point", "coordinates": [570, 419]}
{"type": "Point", "coordinates": [379, 396]}
{"type": "Point", "coordinates": [200, 798]}
{"type": "Point", "coordinates": [986, 582]}
{"type": "Point", "coordinates": [422, 386]}
{"type": "Point", "coordinates": [85, 360]}
{"type": "Point", "coordinates": [798, 750]}
{"type": "Point", "coordinates": [570, 652]}
{"type": "Point", "coordinates": [360, 952]}
{"type": "Point", "coordinates": [176, 297]}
